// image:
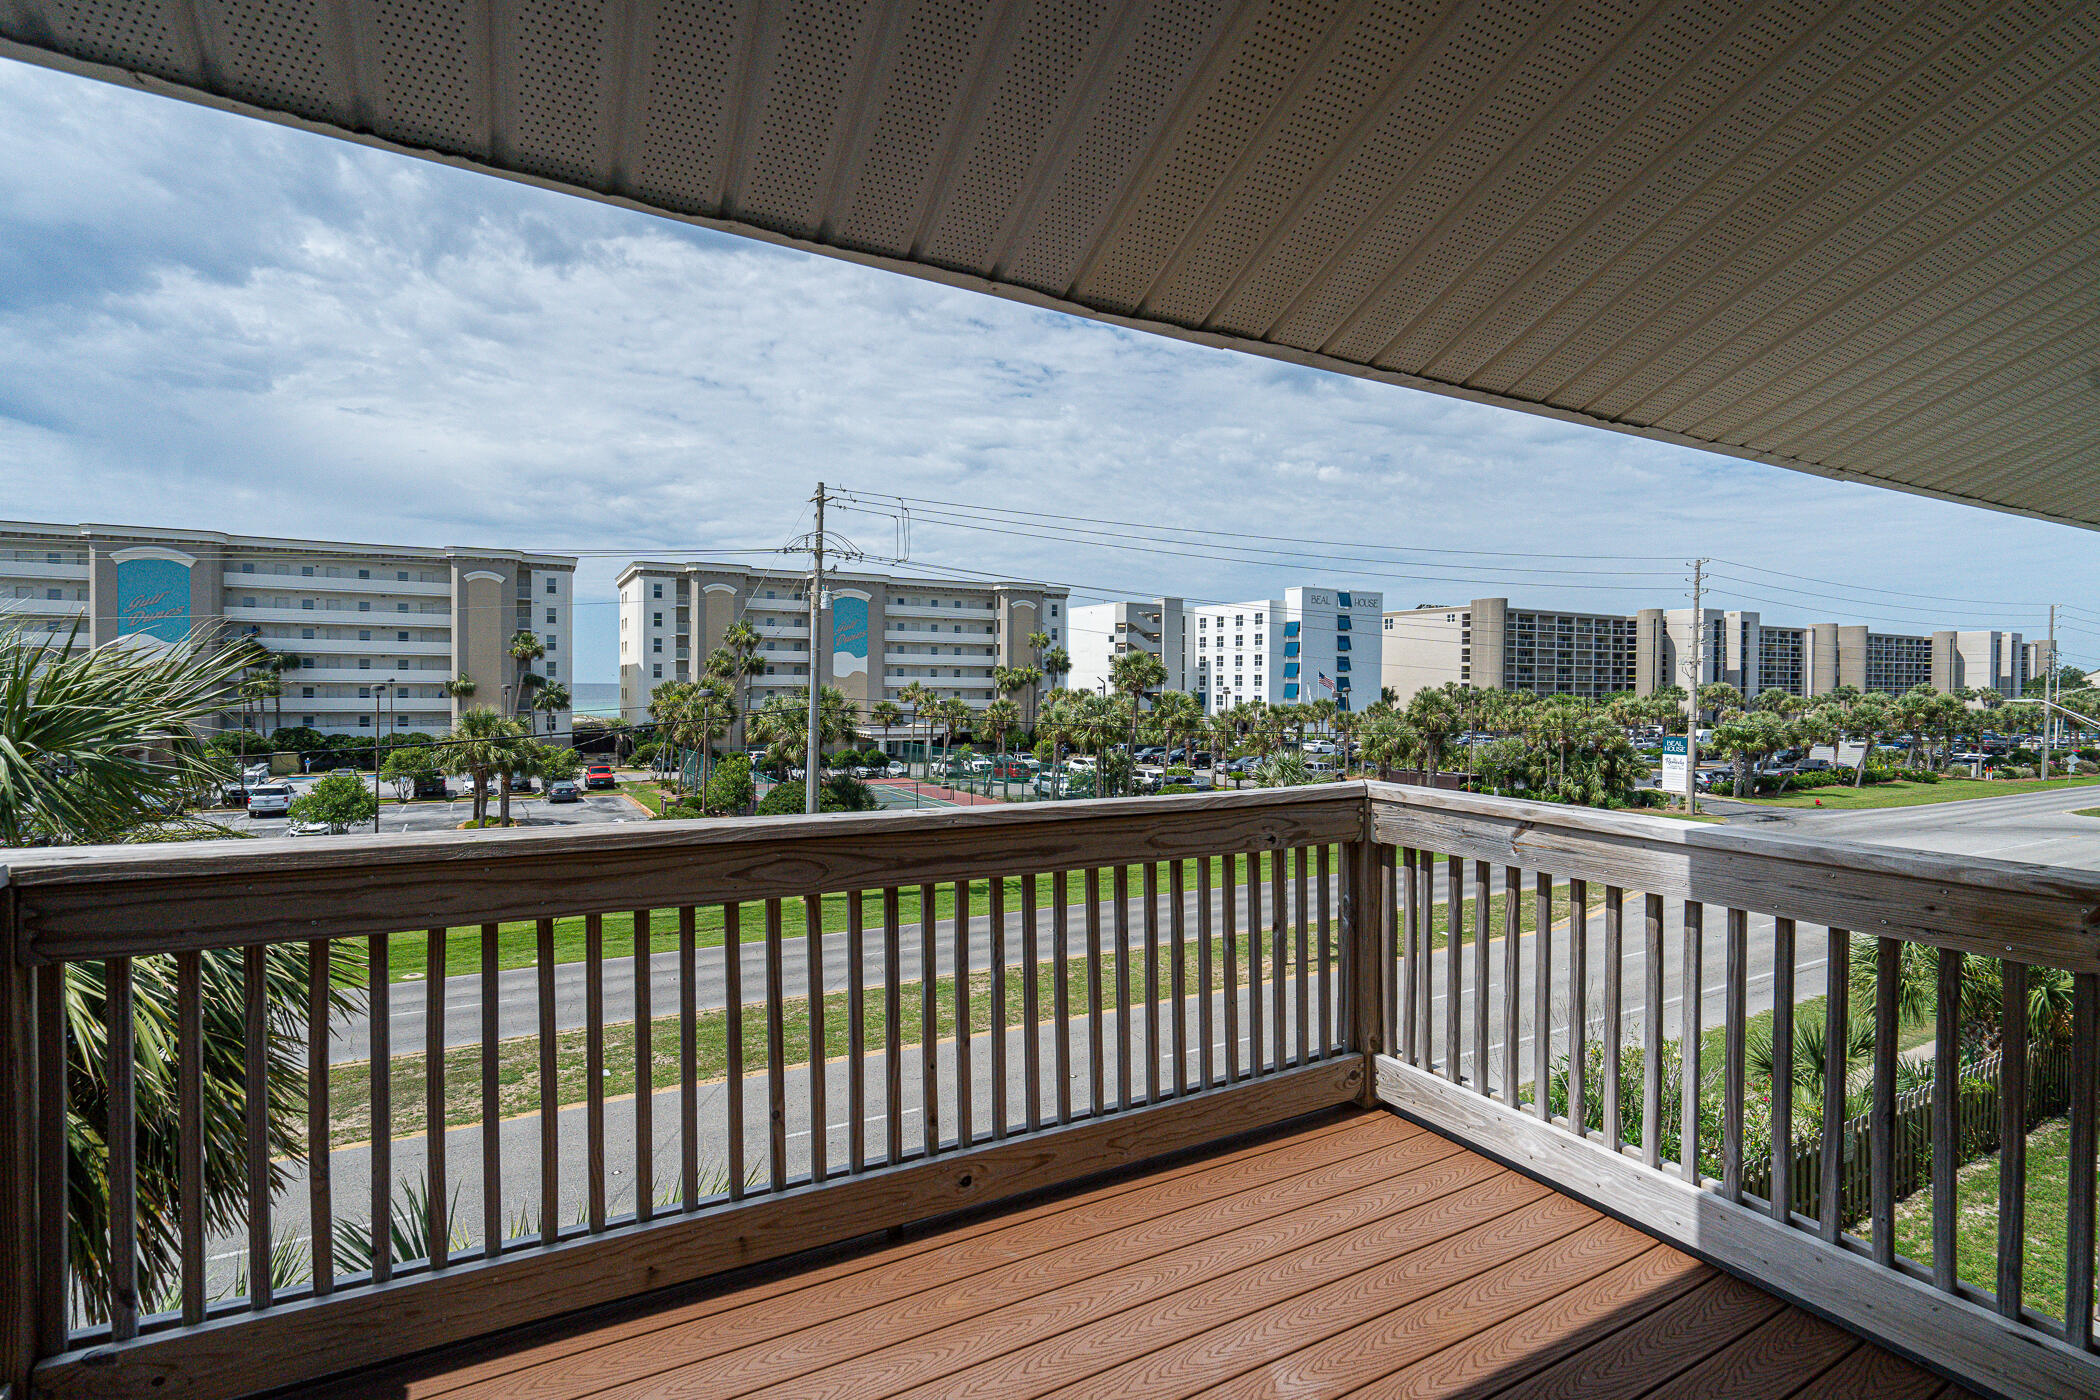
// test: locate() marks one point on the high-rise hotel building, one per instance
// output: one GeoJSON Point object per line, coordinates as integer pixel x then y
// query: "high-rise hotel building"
{"type": "Point", "coordinates": [880, 633]}
{"type": "Point", "coordinates": [362, 622]}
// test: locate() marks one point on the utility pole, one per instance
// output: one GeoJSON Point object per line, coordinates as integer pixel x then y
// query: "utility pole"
{"type": "Point", "coordinates": [1691, 701]}
{"type": "Point", "coordinates": [816, 678]}
{"type": "Point", "coordinates": [2048, 695]}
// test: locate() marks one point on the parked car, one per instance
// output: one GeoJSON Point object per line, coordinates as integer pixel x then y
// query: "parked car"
{"type": "Point", "coordinates": [270, 800]}
{"type": "Point", "coordinates": [897, 769]}
{"type": "Point", "coordinates": [564, 790]}
{"type": "Point", "coordinates": [309, 829]}
{"type": "Point", "coordinates": [430, 785]}
{"type": "Point", "coordinates": [599, 775]}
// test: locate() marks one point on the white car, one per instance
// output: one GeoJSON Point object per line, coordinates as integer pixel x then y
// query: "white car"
{"type": "Point", "coordinates": [897, 770]}
{"type": "Point", "coordinates": [309, 829]}
{"type": "Point", "coordinates": [270, 800]}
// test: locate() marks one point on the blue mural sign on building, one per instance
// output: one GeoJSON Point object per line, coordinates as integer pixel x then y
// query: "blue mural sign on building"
{"type": "Point", "coordinates": [153, 599]}
{"type": "Point", "coordinates": [849, 636]}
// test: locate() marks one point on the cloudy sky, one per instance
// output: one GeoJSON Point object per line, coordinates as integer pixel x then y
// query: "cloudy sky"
{"type": "Point", "coordinates": [207, 321]}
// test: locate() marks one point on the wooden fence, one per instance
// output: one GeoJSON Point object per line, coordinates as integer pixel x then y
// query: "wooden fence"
{"type": "Point", "coordinates": [1977, 1118]}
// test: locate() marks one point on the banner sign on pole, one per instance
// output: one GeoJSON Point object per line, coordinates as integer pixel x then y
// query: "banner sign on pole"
{"type": "Point", "coordinates": [1675, 747]}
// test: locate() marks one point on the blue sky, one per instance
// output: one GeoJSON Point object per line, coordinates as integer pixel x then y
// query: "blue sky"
{"type": "Point", "coordinates": [212, 322]}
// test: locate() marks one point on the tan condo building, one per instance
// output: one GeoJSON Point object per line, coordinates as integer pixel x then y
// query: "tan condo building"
{"type": "Point", "coordinates": [372, 632]}
{"type": "Point", "coordinates": [880, 633]}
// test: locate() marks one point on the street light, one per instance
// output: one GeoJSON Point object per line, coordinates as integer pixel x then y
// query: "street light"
{"type": "Point", "coordinates": [379, 693]}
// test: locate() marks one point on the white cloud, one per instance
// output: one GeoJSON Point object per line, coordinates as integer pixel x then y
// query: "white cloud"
{"type": "Point", "coordinates": [212, 322]}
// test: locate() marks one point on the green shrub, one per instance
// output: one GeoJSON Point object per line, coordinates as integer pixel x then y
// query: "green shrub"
{"type": "Point", "coordinates": [840, 794]}
{"type": "Point", "coordinates": [642, 755]}
{"type": "Point", "coordinates": [729, 787]}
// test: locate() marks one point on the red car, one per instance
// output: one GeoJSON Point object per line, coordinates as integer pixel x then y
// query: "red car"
{"type": "Point", "coordinates": [599, 775]}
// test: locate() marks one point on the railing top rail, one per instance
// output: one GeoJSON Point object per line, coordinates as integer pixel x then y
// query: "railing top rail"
{"type": "Point", "coordinates": [73, 903]}
{"type": "Point", "coordinates": [1996, 908]}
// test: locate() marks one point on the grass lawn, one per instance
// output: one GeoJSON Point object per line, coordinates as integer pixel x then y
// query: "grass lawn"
{"type": "Point", "coordinates": [2087, 812]}
{"type": "Point", "coordinates": [1905, 794]}
{"type": "Point", "coordinates": [350, 1085]}
{"type": "Point", "coordinates": [1976, 1220]}
{"type": "Point", "coordinates": [517, 942]}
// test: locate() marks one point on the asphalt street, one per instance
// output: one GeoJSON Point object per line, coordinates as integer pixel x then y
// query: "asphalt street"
{"type": "Point", "coordinates": [2041, 828]}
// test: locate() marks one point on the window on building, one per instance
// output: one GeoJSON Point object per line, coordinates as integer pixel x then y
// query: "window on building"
{"type": "Point", "coordinates": [1341, 624]}
{"type": "Point", "coordinates": [1257, 639]}
{"type": "Point", "coordinates": [364, 573]}
{"type": "Point", "coordinates": [307, 661]}
{"type": "Point", "coordinates": [306, 570]}
{"type": "Point", "coordinates": [550, 583]}
{"type": "Point", "coordinates": [307, 633]}
{"type": "Point", "coordinates": [364, 663]}
{"type": "Point", "coordinates": [1341, 644]}
{"type": "Point", "coordinates": [364, 605]}
{"type": "Point", "coordinates": [554, 644]}
{"type": "Point", "coordinates": [364, 692]}
{"type": "Point", "coordinates": [657, 590]}
{"type": "Point", "coordinates": [364, 721]}
{"type": "Point", "coordinates": [656, 619]}
{"type": "Point", "coordinates": [553, 669]}
{"type": "Point", "coordinates": [656, 644]}
{"type": "Point", "coordinates": [247, 568]}
{"type": "Point", "coordinates": [307, 604]}
{"type": "Point", "coordinates": [307, 720]}
{"type": "Point", "coordinates": [306, 692]}
{"type": "Point", "coordinates": [656, 672]}
{"type": "Point", "coordinates": [550, 617]}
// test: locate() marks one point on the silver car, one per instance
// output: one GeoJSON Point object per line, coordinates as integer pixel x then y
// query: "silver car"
{"type": "Point", "coordinates": [270, 800]}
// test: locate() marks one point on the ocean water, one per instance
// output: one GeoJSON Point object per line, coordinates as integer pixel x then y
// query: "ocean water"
{"type": "Point", "coordinates": [596, 697]}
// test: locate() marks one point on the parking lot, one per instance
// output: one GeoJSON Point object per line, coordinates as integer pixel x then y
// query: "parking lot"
{"type": "Point", "coordinates": [431, 814]}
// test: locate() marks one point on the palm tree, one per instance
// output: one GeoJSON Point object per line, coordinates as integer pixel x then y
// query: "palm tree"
{"type": "Point", "coordinates": [737, 661]}
{"type": "Point", "coordinates": [1179, 720]}
{"type": "Point", "coordinates": [1134, 675]}
{"type": "Point", "coordinates": [1056, 665]}
{"type": "Point", "coordinates": [1001, 717]}
{"type": "Point", "coordinates": [95, 745]}
{"type": "Point", "coordinates": [525, 648]}
{"type": "Point", "coordinates": [551, 699]}
{"type": "Point", "coordinates": [887, 713]}
{"type": "Point", "coordinates": [920, 700]}
{"type": "Point", "coordinates": [462, 686]}
{"type": "Point", "coordinates": [482, 747]}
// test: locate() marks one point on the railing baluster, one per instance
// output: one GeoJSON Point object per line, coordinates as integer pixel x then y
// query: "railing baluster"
{"type": "Point", "coordinates": [776, 1050]}
{"type": "Point", "coordinates": [53, 1196]}
{"type": "Point", "coordinates": [1228, 886]}
{"type": "Point", "coordinates": [644, 1070]}
{"type": "Point", "coordinates": [1151, 926]}
{"type": "Point", "coordinates": [189, 1070]}
{"type": "Point", "coordinates": [2084, 1113]}
{"type": "Point", "coordinates": [320, 1215]}
{"type": "Point", "coordinates": [1483, 996]}
{"type": "Point", "coordinates": [1946, 1119]}
{"type": "Point", "coordinates": [1738, 965]}
{"type": "Point", "coordinates": [255, 1113]}
{"type": "Point", "coordinates": [1425, 961]}
{"type": "Point", "coordinates": [1512, 977]}
{"type": "Point", "coordinates": [436, 1172]}
{"type": "Point", "coordinates": [1782, 1070]}
{"type": "Point", "coordinates": [965, 1116]}
{"type": "Point", "coordinates": [2012, 1143]}
{"type": "Point", "coordinates": [1374, 870]}
{"type": "Point", "coordinates": [1407, 1014]}
{"type": "Point", "coordinates": [594, 1066]}
{"type": "Point", "coordinates": [1302, 944]}
{"type": "Point", "coordinates": [1206, 1067]}
{"type": "Point", "coordinates": [688, 1062]}
{"type": "Point", "coordinates": [1614, 1011]}
{"type": "Point", "coordinates": [1178, 976]}
{"type": "Point", "coordinates": [856, 1036]}
{"type": "Point", "coordinates": [1120, 882]}
{"type": "Point", "coordinates": [492, 1231]}
{"type": "Point", "coordinates": [1578, 1005]}
{"type": "Point", "coordinates": [1542, 995]}
{"type": "Point", "coordinates": [929, 1026]}
{"type": "Point", "coordinates": [1837, 1018]}
{"type": "Point", "coordinates": [1326, 900]}
{"type": "Point", "coordinates": [1279, 960]}
{"type": "Point", "coordinates": [1061, 992]}
{"type": "Point", "coordinates": [1691, 992]}
{"type": "Point", "coordinates": [893, 1033]}
{"type": "Point", "coordinates": [1031, 1010]}
{"type": "Point", "coordinates": [1454, 962]}
{"type": "Point", "coordinates": [995, 895]}
{"type": "Point", "coordinates": [1888, 971]}
{"type": "Point", "coordinates": [1255, 1053]}
{"type": "Point", "coordinates": [379, 1019]}
{"type": "Point", "coordinates": [550, 1091]}
{"type": "Point", "coordinates": [1095, 1068]}
{"type": "Point", "coordinates": [1652, 1027]}
{"type": "Point", "coordinates": [733, 1038]}
{"type": "Point", "coordinates": [813, 985]}
{"type": "Point", "coordinates": [123, 1150]}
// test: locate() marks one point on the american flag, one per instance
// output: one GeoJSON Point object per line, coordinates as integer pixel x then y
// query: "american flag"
{"type": "Point", "coordinates": [1326, 682]}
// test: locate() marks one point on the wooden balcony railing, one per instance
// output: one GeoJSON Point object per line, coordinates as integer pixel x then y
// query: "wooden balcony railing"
{"type": "Point", "coordinates": [217, 1090]}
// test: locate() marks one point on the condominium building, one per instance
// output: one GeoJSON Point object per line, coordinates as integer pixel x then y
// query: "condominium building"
{"type": "Point", "coordinates": [376, 630]}
{"type": "Point", "coordinates": [1488, 643]}
{"type": "Point", "coordinates": [1310, 644]}
{"type": "Point", "coordinates": [880, 633]}
{"type": "Point", "coordinates": [1101, 632]}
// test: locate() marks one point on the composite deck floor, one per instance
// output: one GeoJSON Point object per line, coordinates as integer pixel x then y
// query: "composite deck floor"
{"type": "Point", "coordinates": [1362, 1256]}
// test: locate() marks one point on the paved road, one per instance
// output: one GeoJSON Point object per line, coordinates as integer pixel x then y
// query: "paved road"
{"type": "Point", "coordinates": [2038, 827]}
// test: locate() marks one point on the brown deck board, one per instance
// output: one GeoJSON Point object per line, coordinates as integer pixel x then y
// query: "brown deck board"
{"type": "Point", "coordinates": [1361, 1256]}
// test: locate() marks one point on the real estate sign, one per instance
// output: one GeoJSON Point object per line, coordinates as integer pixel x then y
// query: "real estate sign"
{"type": "Point", "coordinates": [1675, 772]}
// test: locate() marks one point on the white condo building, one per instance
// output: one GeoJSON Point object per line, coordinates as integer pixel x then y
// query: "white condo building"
{"type": "Point", "coordinates": [1310, 644]}
{"type": "Point", "coordinates": [1101, 632]}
